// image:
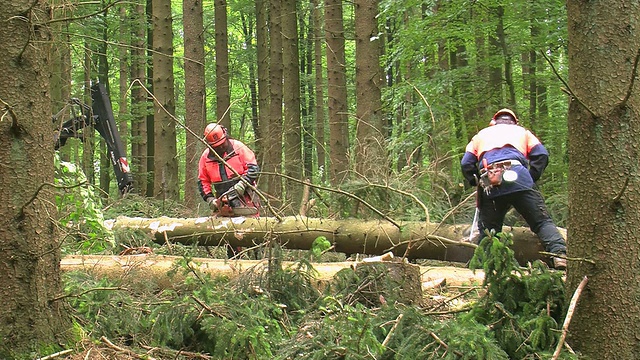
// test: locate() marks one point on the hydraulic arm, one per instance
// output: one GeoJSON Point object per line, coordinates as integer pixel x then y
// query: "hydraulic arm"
{"type": "Point", "coordinates": [100, 116]}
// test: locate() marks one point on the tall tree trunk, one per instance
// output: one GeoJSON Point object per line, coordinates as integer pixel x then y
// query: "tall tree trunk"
{"type": "Point", "coordinates": [223, 96]}
{"type": "Point", "coordinates": [123, 110]}
{"type": "Point", "coordinates": [604, 201]}
{"type": "Point", "coordinates": [103, 77]}
{"type": "Point", "coordinates": [61, 73]}
{"type": "Point", "coordinates": [166, 161]}
{"type": "Point", "coordinates": [194, 100]}
{"type": "Point", "coordinates": [248, 25]}
{"type": "Point", "coordinates": [307, 95]}
{"type": "Point", "coordinates": [139, 104]}
{"type": "Point", "coordinates": [273, 143]}
{"type": "Point", "coordinates": [370, 154]}
{"type": "Point", "coordinates": [506, 56]}
{"type": "Point", "coordinates": [496, 96]}
{"type": "Point", "coordinates": [151, 147]}
{"type": "Point", "coordinates": [30, 256]}
{"type": "Point", "coordinates": [88, 136]}
{"type": "Point", "coordinates": [319, 90]}
{"type": "Point", "coordinates": [336, 92]}
{"type": "Point", "coordinates": [291, 95]}
{"type": "Point", "coordinates": [262, 54]}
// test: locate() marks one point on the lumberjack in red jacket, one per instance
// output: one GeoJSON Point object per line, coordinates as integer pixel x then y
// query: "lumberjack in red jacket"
{"type": "Point", "coordinates": [227, 193]}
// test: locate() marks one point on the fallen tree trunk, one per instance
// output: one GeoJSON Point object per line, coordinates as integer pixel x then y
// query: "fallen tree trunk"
{"type": "Point", "coordinates": [414, 240]}
{"type": "Point", "coordinates": [143, 270]}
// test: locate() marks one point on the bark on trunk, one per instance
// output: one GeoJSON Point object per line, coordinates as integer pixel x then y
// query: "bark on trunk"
{"type": "Point", "coordinates": [415, 240]}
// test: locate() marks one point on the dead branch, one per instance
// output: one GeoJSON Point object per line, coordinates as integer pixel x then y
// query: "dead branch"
{"type": "Point", "coordinates": [567, 319]}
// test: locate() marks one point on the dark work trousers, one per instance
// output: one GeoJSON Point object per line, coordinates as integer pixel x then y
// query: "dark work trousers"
{"type": "Point", "coordinates": [530, 204]}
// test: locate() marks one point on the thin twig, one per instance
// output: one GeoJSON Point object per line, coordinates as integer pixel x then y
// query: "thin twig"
{"type": "Point", "coordinates": [9, 109]}
{"type": "Point", "coordinates": [452, 211]}
{"type": "Point", "coordinates": [121, 349]}
{"type": "Point", "coordinates": [634, 73]}
{"type": "Point", "coordinates": [60, 297]}
{"type": "Point", "coordinates": [339, 191]}
{"type": "Point", "coordinates": [567, 319]}
{"type": "Point", "coordinates": [568, 89]}
{"type": "Point", "coordinates": [393, 328]}
{"type": "Point", "coordinates": [55, 355]}
{"type": "Point", "coordinates": [415, 198]}
{"type": "Point", "coordinates": [617, 198]}
{"type": "Point", "coordinates": [35, 195]}
{"type": "Point", "coordinates": [590, 261]}
{"type": "Point", "coordinates": [98, 12]}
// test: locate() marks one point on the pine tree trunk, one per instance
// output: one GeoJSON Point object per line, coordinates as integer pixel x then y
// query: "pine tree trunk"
{"type": "Point", "coordinates": [194, 100]}
{"type": "Point", "coordinates": [336, 92]}
{"type": "Point", "coordinates": [273, 143]}
{"type": "Point", "coordinates": [370, 152]}
{"type": "Point", "coordinates": [139, 104]}
{"type": "Point", "coordinates": [319, 91]}
{"type": "Point", "coordinates": [293, 165]}
{"type": "Point", "coordinates": [165, 156]}
{"type": "Point", "coordinates": [223, 96]}
{"type": "Point", "coordinates": [604, 200]}
{"type": "Point", "coordinates": [30, 256]}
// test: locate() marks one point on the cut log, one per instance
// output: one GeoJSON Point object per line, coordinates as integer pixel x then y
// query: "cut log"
{"type": "Point", "coordinates": [414, 240]}
{"type": "Point", "coordinates": [145, 269]}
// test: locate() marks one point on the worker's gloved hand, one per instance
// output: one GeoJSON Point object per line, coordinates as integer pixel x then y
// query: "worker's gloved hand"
{"type": "Point", "coordinates": [240, 187]}
{"type": "Point", "coordinates": [213, 203]}
{"type": "Point", "coordinates": [253, 172]}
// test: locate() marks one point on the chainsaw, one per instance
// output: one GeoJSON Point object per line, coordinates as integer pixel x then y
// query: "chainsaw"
{"type": "Point", "coordinates": [230, 205]}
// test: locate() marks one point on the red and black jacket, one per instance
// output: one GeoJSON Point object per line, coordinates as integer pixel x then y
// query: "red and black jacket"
{"type": "Point", "coordinates": [215, 178]}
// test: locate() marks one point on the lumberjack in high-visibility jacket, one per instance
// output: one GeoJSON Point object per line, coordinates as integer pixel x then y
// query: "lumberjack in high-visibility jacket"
{"type": "Point", "coordinates": [219, 186]}
{"type": "Point", "coordinates": [215, 178]}
{"type": "Point", "coordinates": [505, 160]}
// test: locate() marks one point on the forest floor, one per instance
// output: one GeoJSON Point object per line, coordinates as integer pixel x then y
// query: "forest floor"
{"type": "Point", "coordinates": [145, 268]}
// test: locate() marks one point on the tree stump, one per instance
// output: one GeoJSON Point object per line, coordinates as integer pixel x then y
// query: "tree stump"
{"type": "Point", "coordinates": [378, 283]}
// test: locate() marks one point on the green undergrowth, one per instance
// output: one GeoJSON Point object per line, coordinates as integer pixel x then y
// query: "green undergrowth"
{"type": "Point", "coordinates": [277, 312]}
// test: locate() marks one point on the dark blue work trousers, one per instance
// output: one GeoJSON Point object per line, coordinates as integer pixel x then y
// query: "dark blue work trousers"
{"type": "Point", "coordinates": [530, 204]}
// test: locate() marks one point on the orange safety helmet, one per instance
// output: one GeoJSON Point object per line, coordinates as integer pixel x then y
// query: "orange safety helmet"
{"type": "Point", "coordinates": [215, 134]}
{"type": "Point", "coordinates": [504, 111]}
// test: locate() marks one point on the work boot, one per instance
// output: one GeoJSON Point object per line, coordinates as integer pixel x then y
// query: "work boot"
{"type": "Point", "coordinates": [559, 263]}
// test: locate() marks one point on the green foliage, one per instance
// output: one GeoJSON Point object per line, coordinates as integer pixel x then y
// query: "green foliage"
{"type": "Point", "coordinates": [79, 211]}
{"type": "Point", "coordinates": [420, 336]}
{"type": "Point", "coordinates": [335, 331]}
{"type": "Point", "coordinates": [523, 307]}
{"type": "Point", "coordinates": [276, 312]}
{"type": "Point", "coordinates": [319, 246]}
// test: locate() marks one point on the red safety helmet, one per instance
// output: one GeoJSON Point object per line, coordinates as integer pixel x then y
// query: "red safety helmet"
{"type": "Point", "coordinates": [215, 134]}
{"type": "Point", "coordinates": [504, 112]}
